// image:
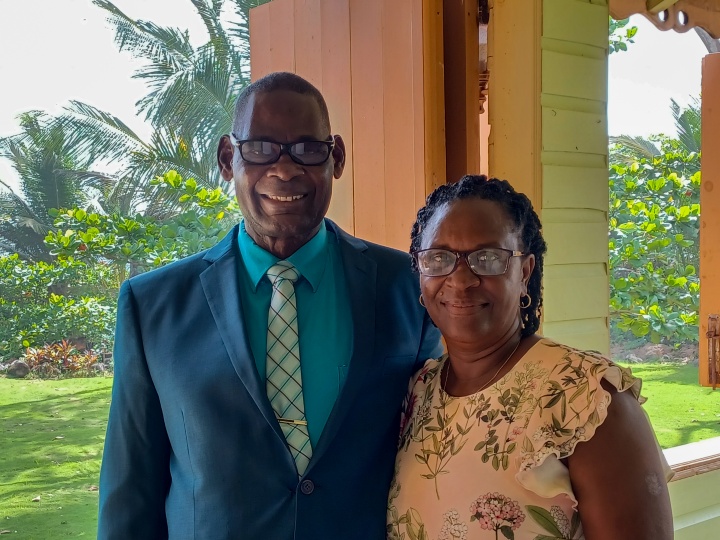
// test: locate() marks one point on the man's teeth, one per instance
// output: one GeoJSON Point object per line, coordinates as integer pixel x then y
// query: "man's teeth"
{"type": "Point", "coordinates": [285, 199]}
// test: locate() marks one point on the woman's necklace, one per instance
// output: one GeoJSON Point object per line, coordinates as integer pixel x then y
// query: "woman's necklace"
{"type": "Point", "coordinates": [443, 384]}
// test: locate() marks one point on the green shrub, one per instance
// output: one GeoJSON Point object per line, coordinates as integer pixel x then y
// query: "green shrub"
{"type": "Point", "coordinates": [47, 303]}
{"type": "Point", "coordinates": [654, 250]}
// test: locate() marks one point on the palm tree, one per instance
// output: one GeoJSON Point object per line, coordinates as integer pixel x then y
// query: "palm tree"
{"type": "Point", "coordinates": [46, 164]}
{"type": "Point", "coordinates": [190, 102]}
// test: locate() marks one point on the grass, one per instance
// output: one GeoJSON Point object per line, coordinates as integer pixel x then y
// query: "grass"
{"type": "Point", "coordinates": [51, 436]}
{"type": "Point", "coordinates": [680, 410]}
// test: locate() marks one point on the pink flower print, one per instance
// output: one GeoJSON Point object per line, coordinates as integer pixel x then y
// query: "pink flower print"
{"type": "Point", "coordinates": [514, 433]}
{"type": "Point", "coordinates": [496, 512]}
{"type": "Point", "coordinates": [422, 373]}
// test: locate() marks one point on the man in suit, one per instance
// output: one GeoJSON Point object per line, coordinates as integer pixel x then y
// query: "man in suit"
{"type": "Point", "coordinates": [196, 446]}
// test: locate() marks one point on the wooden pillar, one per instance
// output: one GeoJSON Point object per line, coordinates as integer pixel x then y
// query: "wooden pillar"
{"type": "Point", "coordinates": [377, 64]}
{"type": "Point", "coordinates": [709, 205]}
{"type": "Point", "coordinates": [462, 103]}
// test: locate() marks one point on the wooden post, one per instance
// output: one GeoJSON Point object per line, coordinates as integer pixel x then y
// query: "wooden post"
{"type": "Point", "coordinates": [709, 205]}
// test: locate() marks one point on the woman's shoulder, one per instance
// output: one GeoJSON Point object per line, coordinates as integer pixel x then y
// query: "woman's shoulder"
{"type": "Point", "coordinates": [573, 400]}
{"type": "Point", "coordinates": [572, 365]}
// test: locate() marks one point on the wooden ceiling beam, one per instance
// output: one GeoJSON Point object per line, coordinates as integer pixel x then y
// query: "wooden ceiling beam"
{"type": "Point", "coordinates": [656, 6]}
{"type": "Point", "coordinates": [680, 15]}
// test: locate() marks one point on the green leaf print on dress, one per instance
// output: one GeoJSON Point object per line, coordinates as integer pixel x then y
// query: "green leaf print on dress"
{"type": "Point", "coordinates": [516, 405]}
{"type": "Point", "coordinates": [556, 523]}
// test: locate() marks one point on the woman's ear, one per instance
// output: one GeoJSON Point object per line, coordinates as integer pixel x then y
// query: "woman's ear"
{"type": "Point", "coordinates": [527, 269]}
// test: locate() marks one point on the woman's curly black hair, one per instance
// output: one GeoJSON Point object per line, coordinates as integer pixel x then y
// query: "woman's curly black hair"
{"type": "Point", "coordinates": [518, 207]}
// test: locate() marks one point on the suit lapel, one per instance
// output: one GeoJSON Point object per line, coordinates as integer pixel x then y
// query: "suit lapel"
{"type": "Point", "coordinates": [221, 284]}
{"type": "Point", "coordinates": [361, 276]}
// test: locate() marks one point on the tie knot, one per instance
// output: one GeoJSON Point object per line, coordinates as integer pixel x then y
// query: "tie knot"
{"type": "Point", "coordinates": [282, 270]}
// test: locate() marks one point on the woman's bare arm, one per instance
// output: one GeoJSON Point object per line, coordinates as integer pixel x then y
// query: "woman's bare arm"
{"type": "Point", "coordinates": [618, 478]}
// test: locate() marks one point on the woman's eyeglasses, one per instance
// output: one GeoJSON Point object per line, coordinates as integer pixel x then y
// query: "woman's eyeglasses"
{"type": "Point", "coordinates": [483, 262]}
{"type": "Point", "coordinates": [260, 152]}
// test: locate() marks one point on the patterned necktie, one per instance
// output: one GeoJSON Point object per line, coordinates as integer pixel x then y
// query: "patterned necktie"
{"type": "Point", "coordinates": [284, 380]}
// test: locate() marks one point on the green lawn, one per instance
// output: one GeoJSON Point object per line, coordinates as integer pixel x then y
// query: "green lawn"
{"type": "Point", "coordinates": [51, 435]}
{"type": "Point", "coordinates": [680, 409]}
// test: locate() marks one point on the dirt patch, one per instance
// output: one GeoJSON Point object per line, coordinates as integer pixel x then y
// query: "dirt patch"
{"type": "Point", "coordinates": [654, 352]}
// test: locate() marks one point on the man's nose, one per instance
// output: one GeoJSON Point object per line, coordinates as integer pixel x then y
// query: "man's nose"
{"type": "Point", "coordinates": [285, 168]}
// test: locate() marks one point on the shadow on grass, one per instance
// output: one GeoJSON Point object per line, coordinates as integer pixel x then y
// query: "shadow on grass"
{"type": "Point", "coordinates": [684, 433]}
{"type": "Point", "coordinates": [670, 373]}
{"type": "Point", "coordinates": [51, 447]}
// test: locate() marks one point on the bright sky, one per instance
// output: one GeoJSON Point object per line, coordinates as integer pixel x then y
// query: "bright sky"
{"type": "Point", "coordinates": [57, 50]}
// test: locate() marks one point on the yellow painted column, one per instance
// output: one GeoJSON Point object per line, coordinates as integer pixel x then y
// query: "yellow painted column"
{"type": "Point", "coordinates": [709, 204]}
{"type": "Point", "coordinates": [514, 38]}
{"type": "Point", "coordinates": [548, 137]}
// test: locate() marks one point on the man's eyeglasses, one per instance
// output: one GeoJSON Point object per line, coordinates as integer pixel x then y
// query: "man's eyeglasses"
{"type": "Point", "coordinates": [482, 262]}
{"type": "Point", "coordinates": [260, 152]}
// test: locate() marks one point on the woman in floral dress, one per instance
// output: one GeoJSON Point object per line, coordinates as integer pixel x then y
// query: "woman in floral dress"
{"type": "Point", "coordinates": [512, 435]}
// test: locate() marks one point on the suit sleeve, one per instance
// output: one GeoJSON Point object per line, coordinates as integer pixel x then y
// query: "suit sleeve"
{"type": "Point", "coordinates": [430, 344]}
{"type": "Point", "coordinates": [134, 476]}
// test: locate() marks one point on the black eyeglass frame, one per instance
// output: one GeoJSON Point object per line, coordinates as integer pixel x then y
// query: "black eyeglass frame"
{"type": "Point", "coordinates": [464, 255]}
{"type": "Point", "coordinates": [284, 149]}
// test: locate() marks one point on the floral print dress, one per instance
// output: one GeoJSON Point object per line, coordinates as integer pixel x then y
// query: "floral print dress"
{"type": "Point", "coordinates": [487, 465]}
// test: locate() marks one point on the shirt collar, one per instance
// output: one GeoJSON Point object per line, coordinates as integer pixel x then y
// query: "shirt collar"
{"type": "Point", "coordinates": [310, 260]}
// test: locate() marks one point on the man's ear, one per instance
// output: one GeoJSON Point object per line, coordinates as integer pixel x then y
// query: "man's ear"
{"type": "Point", "coordinates": [225, 154]}
{"type": "Point", "coordinates": [338, 156]}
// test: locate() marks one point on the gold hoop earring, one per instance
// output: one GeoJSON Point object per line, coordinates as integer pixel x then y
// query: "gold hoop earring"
{"type": "Point", "coordinates": [421, 301]}
{"type": "Point", "coordinates": [529, 301]}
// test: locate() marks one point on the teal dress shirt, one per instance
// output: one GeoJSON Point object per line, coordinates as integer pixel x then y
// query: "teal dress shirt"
{"type": "Point", "coordinates": [324, 318]}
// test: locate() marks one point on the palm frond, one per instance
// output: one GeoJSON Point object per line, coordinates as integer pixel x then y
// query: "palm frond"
{"type": "Point", "coordinates": [39, 154]}
{"type": "Point", "coordinates": [240, 31]}
{"type": "Point", "coordinates": [226, 53]}
{"type": "Point", "coordinates": [627, 148]}
{"type": "Point", "coordinates": [96, 133]}
{"type": "Point", "coordinates": [147, 40]}
{"type": "Point", "coordinates": [688, 124]}
{"type": "Point", "coordinates": [198, 102]}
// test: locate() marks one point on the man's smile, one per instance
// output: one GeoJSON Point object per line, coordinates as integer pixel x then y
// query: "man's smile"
{"type": "Point", "coordinates": [284, 198]}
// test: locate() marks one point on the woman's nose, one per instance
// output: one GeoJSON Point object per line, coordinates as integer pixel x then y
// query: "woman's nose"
{"type": "Point", "coordinates": [462, 276]}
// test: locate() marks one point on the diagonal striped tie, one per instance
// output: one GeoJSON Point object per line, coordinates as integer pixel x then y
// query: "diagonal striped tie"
{"type": "Point", "coordinates": [284, 380]}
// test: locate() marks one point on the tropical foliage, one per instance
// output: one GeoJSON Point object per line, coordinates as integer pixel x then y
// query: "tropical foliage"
{"type": "Point", "coordinates": [134, 244]}
{"type": "Point", "coordinates": [43, 159]}
{"type": "Point", "coordinates": [44, 302]}
{"type": "Point", "coordinates": [74, 296]}
{"type": "Point", "coordinates": [98, 203]}
{"type": "Point", "coordinates": [654, 232]}
{"type": "Point", "coordinates": [189, 105]}
{"type": "Point", "coordinates": [620, 35]}
{"type": "Point", "coordinates": [190, 99]}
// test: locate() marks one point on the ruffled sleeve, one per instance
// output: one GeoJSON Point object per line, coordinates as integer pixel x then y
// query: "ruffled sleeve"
{"type": "Point", "coordinates": [570, 406]}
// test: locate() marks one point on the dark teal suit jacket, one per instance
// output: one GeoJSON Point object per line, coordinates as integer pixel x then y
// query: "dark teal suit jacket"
{"type": "Point", "coordinates": [193, 449]}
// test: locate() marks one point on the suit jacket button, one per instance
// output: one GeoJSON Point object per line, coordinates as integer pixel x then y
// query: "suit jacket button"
{"type": "Point", "coordinates": [307, 487]}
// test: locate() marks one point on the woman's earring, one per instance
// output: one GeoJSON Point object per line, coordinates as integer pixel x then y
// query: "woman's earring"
{"type": "Point", "coordinates": [421, 301]}
{"type": "Point", "coordinates": [529, 301]}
